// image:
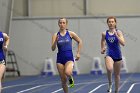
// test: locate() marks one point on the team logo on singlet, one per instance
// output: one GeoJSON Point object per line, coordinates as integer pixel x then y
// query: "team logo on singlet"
{"type": "Point", "coordinates": [64, 41]}
{"type": "Point", "coordinates": [1, 39]}
{"type": "Point", "coordinates": [111, 39]}
{"type": "Point", "coordinates": [67, 39]}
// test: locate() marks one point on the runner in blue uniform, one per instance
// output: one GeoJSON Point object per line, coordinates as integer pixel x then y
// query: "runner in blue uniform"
{"type": "Point", "coordinates": [110, 42]}
{"type": "Point", "coordinates": [4, 41]}
{"type": "Point", "coordinates": [65, 59]}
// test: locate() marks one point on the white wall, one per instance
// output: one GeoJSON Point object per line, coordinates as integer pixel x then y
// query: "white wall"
{"type": "Point", "coordinates": [31, 41]}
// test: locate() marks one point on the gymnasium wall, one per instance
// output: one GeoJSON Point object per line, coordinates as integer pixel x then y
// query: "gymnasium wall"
{"type": "Point", "coordinates": [5, 11]}
{"type": "Point", "coordinates": [30, 39]}
{"type": "Point", "coordinates": [76, 7]}
{"type": "Point", "coordinates": [20, 8]}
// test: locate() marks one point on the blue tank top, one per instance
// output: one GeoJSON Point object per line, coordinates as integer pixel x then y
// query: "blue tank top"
{"type": "Point", "coordinates": [2, 57]}
{"type": "Point", "coordinates": [113, 46]}
{"type": "Point", "coordinates": [64, 43]}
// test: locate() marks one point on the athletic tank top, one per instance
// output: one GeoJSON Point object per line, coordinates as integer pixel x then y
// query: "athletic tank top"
{"type": "Point", "coordinates": [113, 46]}
{"type": "Point", "coordinates": [64, 43]}
{"type": "Point", "coordinates": [2, 57]}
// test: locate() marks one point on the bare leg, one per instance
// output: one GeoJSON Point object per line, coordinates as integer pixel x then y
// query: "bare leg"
{"type": "Point", "coordinates": [61, 70]}
{"type": "Point", "coordinates": [69, 68]}
{"type": "Point", "coordinates": [117, 67]}
{"type": "Point", "coordinates": [68, 71]}
{"type": "Point", "coordinates": [2, 70]}
{"type": "Point", "coordinates": [109, 66]}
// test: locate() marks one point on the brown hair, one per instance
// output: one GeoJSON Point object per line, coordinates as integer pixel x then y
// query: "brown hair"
{"type": "Point", "coordinates": [111, 17]}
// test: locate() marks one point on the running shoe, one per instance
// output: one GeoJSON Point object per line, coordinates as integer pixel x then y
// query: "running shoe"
{"type": "Point", "coordinates": [109, 88]}
{"type": "Point", "coordinates": [71, 82]}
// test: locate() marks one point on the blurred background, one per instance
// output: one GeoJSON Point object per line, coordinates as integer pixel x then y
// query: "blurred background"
{"type": "Point", "coordinates": [31, 24]}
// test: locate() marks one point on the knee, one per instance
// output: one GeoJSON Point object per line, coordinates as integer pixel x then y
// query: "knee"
{"type": "Point", "coordinates": [68, 73]}
{"type": "Point", "coordinates": [117, 76]}
{"type": "Point", "coordinates": [64, 84]}
{"type": "Point", "coordinates": [110, 70]}
{"type": "Point", "coordinates": [63, 81]}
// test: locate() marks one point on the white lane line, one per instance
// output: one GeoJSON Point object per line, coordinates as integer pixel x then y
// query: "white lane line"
{"type": "Point", "coordinates": [18, 85]}
{"type": "Point", "coordinates": [61, 88]}
{"type": "Point", "coordinates": [75, 84]}
{"type": "Point", "coordinates": [127, 79]}
{"type": "Point", "coordinates": [129, 90]}
{"type": "Point", "coordinates": [57, 90]}
{"type": "Point", "coordinates": [29, 89]}
{"type": "Point", "coordinates": [44, 85]}
{"type": "Point", "coordinates": [97, 88]}
{"type": "Point", "coordinates": [35, 87]}
{"type": "Point", "coordinates": [40, 86]}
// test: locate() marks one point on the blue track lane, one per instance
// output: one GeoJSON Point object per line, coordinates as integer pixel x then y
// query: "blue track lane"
{"type": "Point", "coordinates": [83, 84]}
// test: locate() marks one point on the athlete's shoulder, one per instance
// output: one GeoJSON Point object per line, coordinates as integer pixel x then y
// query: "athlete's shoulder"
{"type": "Point", "coordinates": [71, 33]}
{"type": "Point", "coordinates": [55, 34]}
{"type": "Point", "coordinates": [103, 33]}
{"type": "Point", "coordinates": [5, 35]}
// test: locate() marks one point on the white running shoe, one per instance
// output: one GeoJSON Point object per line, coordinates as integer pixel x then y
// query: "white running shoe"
{"type": "Point", "coordinates": [109, 88]}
